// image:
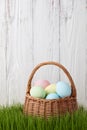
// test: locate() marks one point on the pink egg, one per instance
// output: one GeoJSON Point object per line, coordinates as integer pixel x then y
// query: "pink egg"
{"type": "Point", "coordinates": [42, 83]}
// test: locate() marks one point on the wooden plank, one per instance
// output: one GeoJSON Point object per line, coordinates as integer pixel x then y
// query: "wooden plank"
{"type": "Point", "coordinates": [3, 87]}
{"type": "Point", "coordinates": [33, 31]}
{"type": "Point", "coordinates": [73, 43]}
{"type": "Point", "coordinates": [46, 37]}
{"type": "Point", "coordinates": [20, 48]}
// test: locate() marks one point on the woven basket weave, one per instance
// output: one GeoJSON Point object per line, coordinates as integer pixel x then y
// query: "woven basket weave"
{"type": "Point", "coordinates": [54, 107]}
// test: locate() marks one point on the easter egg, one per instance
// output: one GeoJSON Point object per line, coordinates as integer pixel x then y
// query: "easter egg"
{"type": "Point", "coordinates": [37, 92]}
{"type": "Point", "coordinates": [63, 89]}
{"type": "Point", "coordinates": [52, 96]}
{"type": "Point", "coordinates": [42, 83]}
{"type": "Point", "coordinates": [51, 88]}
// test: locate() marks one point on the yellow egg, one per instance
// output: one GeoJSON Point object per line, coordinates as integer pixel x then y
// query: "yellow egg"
{"type": "Point", "coordinates": [51, 88]}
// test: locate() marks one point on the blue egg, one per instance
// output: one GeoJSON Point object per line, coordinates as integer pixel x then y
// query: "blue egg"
{"type": "Point", "coordinates": [63, 89]}
{"type": "Point", "coordinates": [52, 96]}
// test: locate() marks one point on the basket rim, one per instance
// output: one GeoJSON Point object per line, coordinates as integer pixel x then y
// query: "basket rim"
{"type": "Point", "coordinates": [50, 100]}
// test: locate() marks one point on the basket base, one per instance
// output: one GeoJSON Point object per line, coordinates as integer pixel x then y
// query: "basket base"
{"type": "Point", "coordinates": [44, 108]}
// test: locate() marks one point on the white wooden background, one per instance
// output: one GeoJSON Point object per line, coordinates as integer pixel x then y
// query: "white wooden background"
{"type": "Point", "coordinates": [33, 31]}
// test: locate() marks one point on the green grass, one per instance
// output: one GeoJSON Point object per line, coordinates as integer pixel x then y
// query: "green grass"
{"type": "Point", "coordinates": [12, 118]}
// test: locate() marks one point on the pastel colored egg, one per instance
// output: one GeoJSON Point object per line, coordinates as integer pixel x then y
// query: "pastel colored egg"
{"type": "Point", "coordinates": [42, 83]}
{"type": "Point", "coordinates": [52, 96]}
{"type": "Point", "coordinates": [37, 92]}
{"type": "Point", "coordinates": [51, 88]}
{"type": "Point", "coordinates": [63, 89]}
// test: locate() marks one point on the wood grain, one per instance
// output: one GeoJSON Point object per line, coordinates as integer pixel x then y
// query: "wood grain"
{"type": "Point", "coordinates": [73, 43]}
{"type": "Point", "coordinates": [20, 51]}
{"type": "Point", "coordinates": [3, 68]}
{"type": "Point", "coordinates": [33, 31]}
{"type": "Point", "coordinates": [46, 36]}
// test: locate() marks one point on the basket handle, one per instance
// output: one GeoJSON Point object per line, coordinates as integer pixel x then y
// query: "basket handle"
{"type": "Point", "coordinates": [58, 65]}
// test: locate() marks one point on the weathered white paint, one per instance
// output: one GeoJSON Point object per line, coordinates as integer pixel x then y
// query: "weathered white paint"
{"type": "Point", "coordinates": [73, 50]}
{"type": "Point", "coordinates": [46, 36]}
{"type": "Point", "coordinates": [19, 51]}
{"type": "Point", "coordinates": [3, 87]}
{"type": "Point", "coordinates": [33, 31]}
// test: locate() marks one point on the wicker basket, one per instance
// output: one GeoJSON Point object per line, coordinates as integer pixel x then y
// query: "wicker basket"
{"type": "Point", "coordinates": [54, 107]}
